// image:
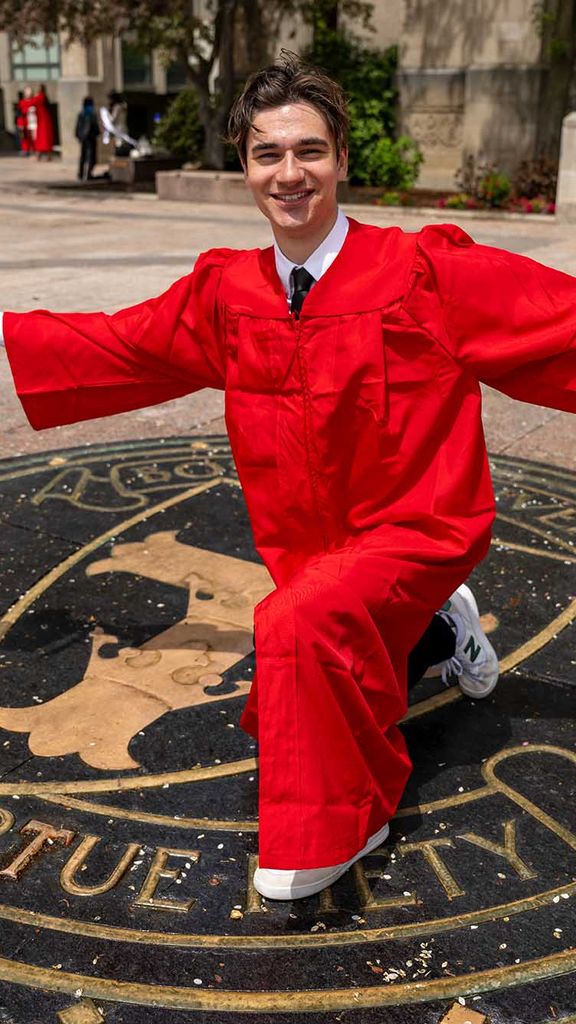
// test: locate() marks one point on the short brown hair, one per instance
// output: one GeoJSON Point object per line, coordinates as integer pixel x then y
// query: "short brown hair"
{"type": "Point", "coordinates": [289, 80]}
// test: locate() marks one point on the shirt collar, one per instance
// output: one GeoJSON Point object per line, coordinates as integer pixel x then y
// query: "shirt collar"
{"type": "Point", "coordinates": [319, 261]}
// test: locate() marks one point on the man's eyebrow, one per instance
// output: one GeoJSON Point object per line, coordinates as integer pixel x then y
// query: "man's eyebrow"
{"type": "Point", "coordinates": [311, 141]}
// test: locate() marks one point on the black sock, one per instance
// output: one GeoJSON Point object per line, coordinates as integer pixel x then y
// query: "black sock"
{"type": "Point", "coordinates": [437, 644]}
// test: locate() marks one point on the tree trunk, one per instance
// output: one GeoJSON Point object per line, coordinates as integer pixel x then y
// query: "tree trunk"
{"type": "Point", "coordinates": [559, 53]}
{"type": "Point", "coordinates": [211, 121]}
{"type": "Point", "coordinates": [210, 114]}
{"type": "Point", "coordinates": [213, 156]}
{"type": "Point", "coordinates": [256, 34]}
{"type": "Point", "coordinates": [213, 106]}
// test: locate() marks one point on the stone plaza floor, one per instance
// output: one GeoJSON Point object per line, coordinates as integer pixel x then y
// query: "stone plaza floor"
{"type": "Point", "coordinates": [128, 792]}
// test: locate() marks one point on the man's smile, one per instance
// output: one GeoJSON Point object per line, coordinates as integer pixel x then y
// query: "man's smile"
{"type": "Point", "coordinates": [292, 198]}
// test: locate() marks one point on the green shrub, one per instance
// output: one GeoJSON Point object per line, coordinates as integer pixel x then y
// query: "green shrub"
{"type": "Point", "coordinates": [179, 131]}
{"type": "Point", "coordinates": [394, 164]}
{"type": "Point", "coordinates": [457, 202]}
{"type": "Point", "coordinates": [483, 182]}
{"type": "Point", "coordinates": [368, 79]}
{"type": "Point", "coordinates": [390, 199]}
{"type": "Point", "coordinates": [494, 188]}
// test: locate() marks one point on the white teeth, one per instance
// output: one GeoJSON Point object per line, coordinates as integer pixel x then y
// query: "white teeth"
{"type": "Point", "coordinates": [292, 197]}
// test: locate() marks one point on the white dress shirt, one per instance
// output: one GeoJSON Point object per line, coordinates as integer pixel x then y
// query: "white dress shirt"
{"type": "Point", "coordinates": [319, 261]}
{"type": "Point", "coordinates": [316, 264]}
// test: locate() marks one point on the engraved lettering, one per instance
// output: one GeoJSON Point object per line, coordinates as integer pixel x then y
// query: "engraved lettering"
{"type": "Point", "coordinates": [253, 898]}
{"type": "Point", "coordinates": [152, 474]}
{"type": "Point", "coordinates": [78, 859]}
{"type": "Point", "coordinates": [326, 903]}
{"type": "Point", "coordinates": [6, 821]}
{"type": "Point", "coordinates": [46, 835]}
{"type": "Point", "coordinates": [429, 850]}
{"type": "Point", "coordinates": [68, 485]}
{"type": "Point", "coordinates": [508, 851]}
{"type": "Point", "coordinates": [527, 501]}
{"type": "Point", "coordinates": [158, 870]}
{"type": "Point", "coordinates": [367, 899]}
{"type": "Point", "coordinates": [79, 486]}
{"type": "Point", "coordinates": [564, 519]}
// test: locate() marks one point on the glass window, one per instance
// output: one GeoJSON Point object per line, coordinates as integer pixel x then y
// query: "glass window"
{"type": "Point", "coordinates": [176, 77]}
{"type": "Point", "coordinates": [38, 60]}
{"type": "Point", "coordinates": [136, 63]}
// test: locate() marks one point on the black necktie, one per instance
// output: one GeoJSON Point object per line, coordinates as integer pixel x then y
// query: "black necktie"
{"type": "Point", "coordinates": [302, 282]}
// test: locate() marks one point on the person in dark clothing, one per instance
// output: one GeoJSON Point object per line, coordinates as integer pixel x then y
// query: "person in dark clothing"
{"type": "Point", "coordinates": [87, 132]}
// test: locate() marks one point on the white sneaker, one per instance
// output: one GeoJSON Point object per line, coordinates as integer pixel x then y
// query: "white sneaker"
{"type": "Point", "coordinates": [475, 663]}
{"type": "Point", "coordinates": [294, 885]}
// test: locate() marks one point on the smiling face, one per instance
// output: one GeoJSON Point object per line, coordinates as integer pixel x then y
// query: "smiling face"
{"type": "Point", "coordinates": [292, 170]}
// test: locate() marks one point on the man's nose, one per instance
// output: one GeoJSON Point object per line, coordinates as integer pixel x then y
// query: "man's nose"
{"type": "Point", "coordinates": [290, 169]}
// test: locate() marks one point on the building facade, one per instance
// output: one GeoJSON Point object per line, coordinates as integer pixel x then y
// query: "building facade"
{"type": "Point", "coordinates": [471, 80]}
{"type": "Point", "coordinates": [72, 72]}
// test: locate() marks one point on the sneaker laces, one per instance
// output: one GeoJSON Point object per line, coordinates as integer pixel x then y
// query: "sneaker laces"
{"type": "Point", "coordinates": [452, 667]}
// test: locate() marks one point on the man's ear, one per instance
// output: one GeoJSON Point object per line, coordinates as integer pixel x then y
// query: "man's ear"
{"type": "Point", "coordinates": [343, 164]}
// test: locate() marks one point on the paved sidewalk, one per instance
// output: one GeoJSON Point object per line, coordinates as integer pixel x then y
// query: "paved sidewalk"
{"type": "Point", "coordinates": [80, 250]}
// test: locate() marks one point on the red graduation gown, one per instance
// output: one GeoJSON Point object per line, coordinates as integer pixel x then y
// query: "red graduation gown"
{"type": "Point", "coordinates": [44, 138]}
{"type": "Point", "coordinates": [358, 440]}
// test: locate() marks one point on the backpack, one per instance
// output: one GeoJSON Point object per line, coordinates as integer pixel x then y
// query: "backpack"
{"type": "Point", "coordinates": [85, 126]}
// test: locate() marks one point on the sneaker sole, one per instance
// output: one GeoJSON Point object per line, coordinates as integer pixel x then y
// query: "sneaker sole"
{"type": "Point", "coordinates": [296, 892]}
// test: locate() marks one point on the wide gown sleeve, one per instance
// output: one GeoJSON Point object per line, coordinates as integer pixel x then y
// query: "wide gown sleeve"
{"type": "Point", "coordinates": [78, 366]}
{"type": "Point", "coordinates": [510, 321]}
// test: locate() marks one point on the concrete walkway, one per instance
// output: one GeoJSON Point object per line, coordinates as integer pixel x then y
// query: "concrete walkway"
{"type": "Point", "coordinates": [72, 249]}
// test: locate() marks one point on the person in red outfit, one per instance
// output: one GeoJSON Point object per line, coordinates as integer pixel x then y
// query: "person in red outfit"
{"type": "Point", "coordinates": [22, 130]}
{"type": "Point", "coordinates": [351, 357]}
{"type": "Point", "coordinates": [44, 137]}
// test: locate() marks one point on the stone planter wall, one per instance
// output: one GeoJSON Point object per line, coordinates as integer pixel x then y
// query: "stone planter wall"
{"type": "Point", "coordinates": [203, 186]}
{"type": "Point", "coordinates": [128, 170]}
{"type": "Point", "coordinates": [212, 187]}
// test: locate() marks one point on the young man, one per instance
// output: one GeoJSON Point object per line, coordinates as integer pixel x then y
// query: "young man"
{"type": "Point", "coordinates": [353, 408]}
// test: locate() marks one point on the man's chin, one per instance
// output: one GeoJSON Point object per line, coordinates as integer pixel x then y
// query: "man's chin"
{"type": "Point", "coordinates": [293, 221]}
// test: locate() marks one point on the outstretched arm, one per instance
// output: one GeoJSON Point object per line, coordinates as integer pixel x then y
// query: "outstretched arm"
{"type": "Point", "coordinates": [507, 319]}
{"type": "Point", "coordinates": [78, 366]}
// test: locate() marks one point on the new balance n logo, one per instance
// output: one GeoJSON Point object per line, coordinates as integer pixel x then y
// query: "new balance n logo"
{"type": "Point", "coordinates": [472, 649]}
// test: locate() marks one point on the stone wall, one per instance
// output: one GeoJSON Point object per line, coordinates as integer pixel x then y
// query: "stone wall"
{"type": "Point", "coordinates": [470, 79]}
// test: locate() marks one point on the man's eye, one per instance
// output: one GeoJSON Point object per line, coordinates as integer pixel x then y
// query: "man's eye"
{"type": "Point", "coordinates": [311, 152]}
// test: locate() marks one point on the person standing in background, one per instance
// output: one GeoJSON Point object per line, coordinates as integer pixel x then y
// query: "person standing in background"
{"type": "Point", "coordinates": [21, 125]}
{"type": "Point", "coordinates": [87, 132]}
{"type": "Point", "coordinates": [114, 120]}
{"type": "Point", "coordinates": [44, 134]}
{"type": "Point", "coordinates": [28, 112]}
